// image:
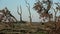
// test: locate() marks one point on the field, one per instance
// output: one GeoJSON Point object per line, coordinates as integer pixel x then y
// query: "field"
{"type": "Point", "coordinates": [22, 28]}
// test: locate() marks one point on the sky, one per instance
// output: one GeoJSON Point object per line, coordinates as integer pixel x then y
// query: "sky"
{"type": "Point", "coordinates": [13, 4]}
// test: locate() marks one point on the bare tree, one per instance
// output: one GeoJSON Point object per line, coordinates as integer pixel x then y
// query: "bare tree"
{"type": "Point", "coordinates": [20, 13]}
{"type": "Point", "coordinates": [28, 6]}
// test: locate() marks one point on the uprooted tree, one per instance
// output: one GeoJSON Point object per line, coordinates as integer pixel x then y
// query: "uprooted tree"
{"type": "Point", "coordinates": [6, 16]}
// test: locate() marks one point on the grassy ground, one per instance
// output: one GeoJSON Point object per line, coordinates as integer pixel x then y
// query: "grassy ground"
{"type": "Point", "coordinates": [20, 28]}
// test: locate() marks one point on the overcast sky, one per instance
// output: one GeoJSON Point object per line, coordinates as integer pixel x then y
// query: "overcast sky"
{"type": "Point", "coordinates": [12, 6]}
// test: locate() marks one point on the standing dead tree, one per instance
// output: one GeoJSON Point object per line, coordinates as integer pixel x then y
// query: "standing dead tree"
{"type": "Point", "coordinates": [28, 6]}
{"type": "Point", "coordinates": [20, 13]}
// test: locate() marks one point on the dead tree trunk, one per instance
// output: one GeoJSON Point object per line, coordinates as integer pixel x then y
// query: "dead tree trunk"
{"type": "Point", "coordinates": [20, 13]}
{"type": "Point", "coordinates": [29, 11]}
